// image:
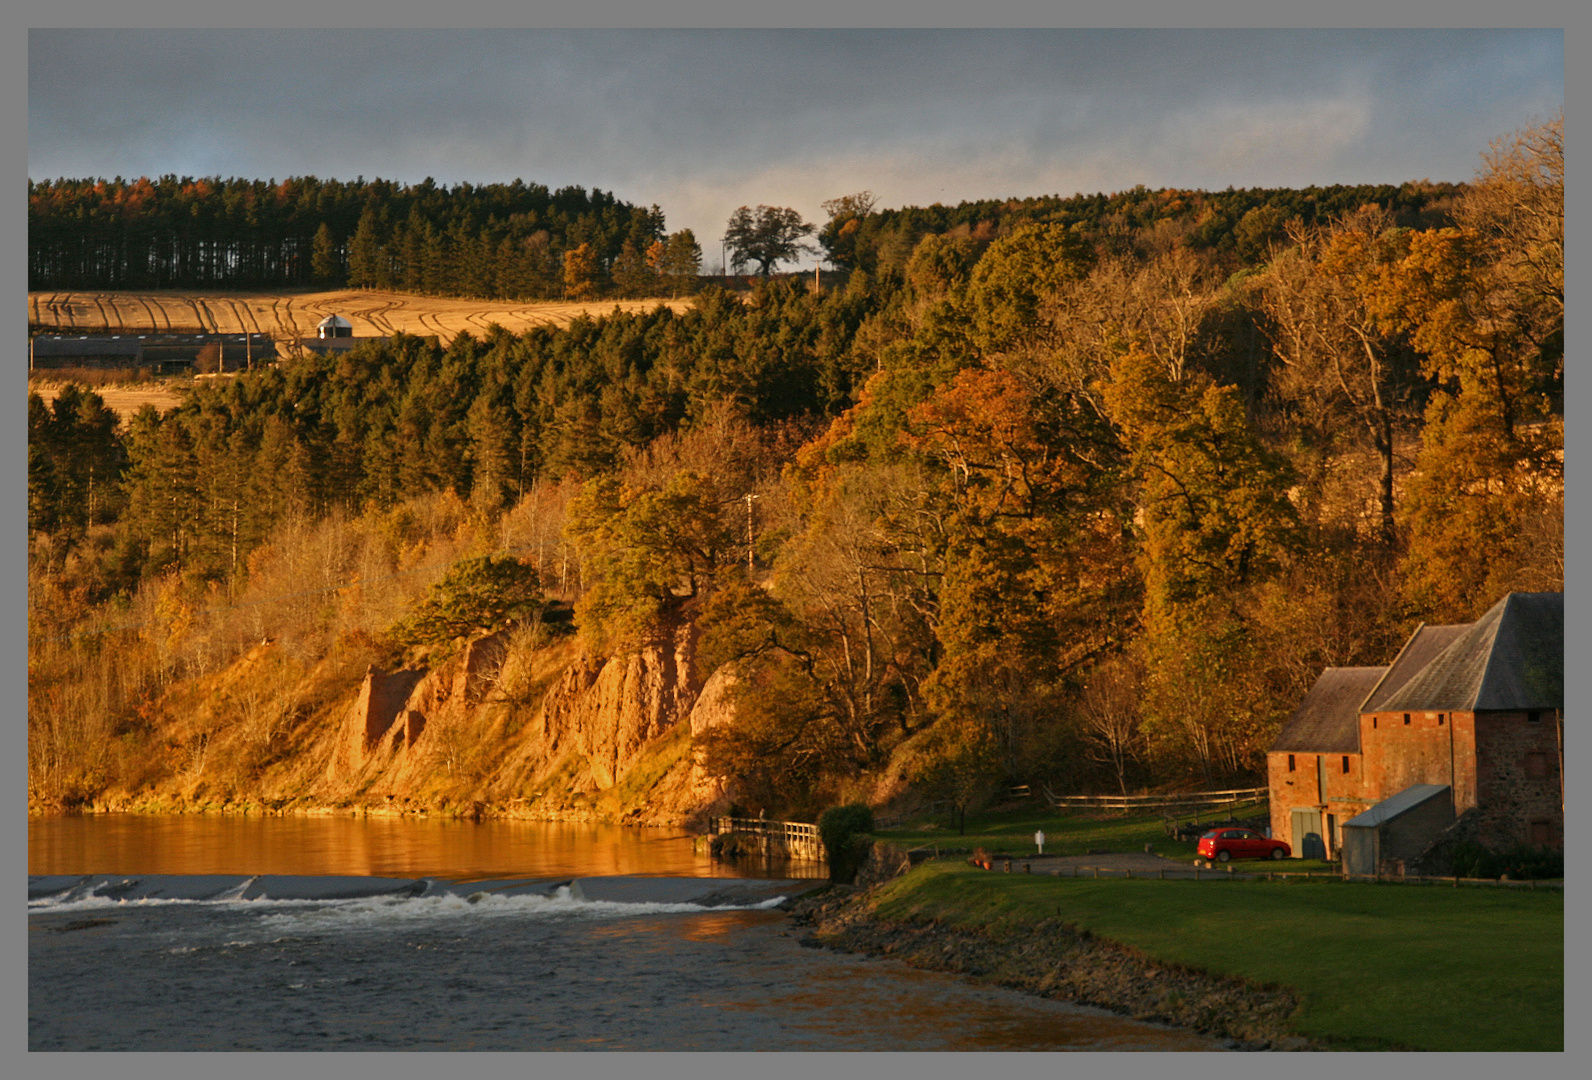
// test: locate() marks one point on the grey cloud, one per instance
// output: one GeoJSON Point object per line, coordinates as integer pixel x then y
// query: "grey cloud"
{"type": "Point", "coordinates": [657, 116]}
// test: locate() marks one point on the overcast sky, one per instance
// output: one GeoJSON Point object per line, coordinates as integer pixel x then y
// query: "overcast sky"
{"type": "Point", "coordinates": [700, 122]}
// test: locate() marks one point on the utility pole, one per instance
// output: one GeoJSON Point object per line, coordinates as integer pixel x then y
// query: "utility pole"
{"type": "Point", "coordinates": [749, 541]}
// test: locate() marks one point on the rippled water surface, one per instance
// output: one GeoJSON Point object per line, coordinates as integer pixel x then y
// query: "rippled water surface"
{"type": "Point", "coordinates": [529, 972]}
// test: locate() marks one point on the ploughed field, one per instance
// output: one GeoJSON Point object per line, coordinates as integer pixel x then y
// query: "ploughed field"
{"type": "Point", "coordinates": [296, 314]}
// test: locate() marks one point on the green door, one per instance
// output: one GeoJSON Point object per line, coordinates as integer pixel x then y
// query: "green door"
{"type": "Point", "coordinates": [1307, 835]}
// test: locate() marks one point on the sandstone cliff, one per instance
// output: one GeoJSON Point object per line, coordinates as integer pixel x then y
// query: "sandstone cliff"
{"type": "Point", "coordinates": [514, 724]}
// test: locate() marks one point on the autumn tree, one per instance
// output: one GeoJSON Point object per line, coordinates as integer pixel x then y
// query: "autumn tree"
{"type": "Point", "coordinates": [1214, 519]}
{"type": "Point", "coordinates": [645, 552]}
{"type": "Point", "coordinates": [839, 235]}
{"type": "Point", "coordinates": [959, 763]}
{"type": "Point", "coordinates": [580, 273]}
{"type": "Point", "coordinates": [1484, 302]}
{"type": "Point", "coordinates": [1109, 707]}
{"type": "Point", "coordinates": [1342, 359]}
{"type": "Point", "coordinates": [766, 236]}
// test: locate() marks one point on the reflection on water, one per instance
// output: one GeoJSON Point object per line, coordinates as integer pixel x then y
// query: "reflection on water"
{"type": "Point", "coordinates": [375, 847]}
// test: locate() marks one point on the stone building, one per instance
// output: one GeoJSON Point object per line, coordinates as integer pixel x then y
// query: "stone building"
{"type": "Point", "coordinates": [1465, 726]}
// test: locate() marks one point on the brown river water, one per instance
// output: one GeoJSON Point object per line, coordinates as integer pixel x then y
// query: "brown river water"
{"type": "Point", "coordinates": [448, 970]}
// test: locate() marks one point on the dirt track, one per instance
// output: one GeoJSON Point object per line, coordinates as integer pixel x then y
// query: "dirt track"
{"type": "Point", "coordinates": [288, 315]}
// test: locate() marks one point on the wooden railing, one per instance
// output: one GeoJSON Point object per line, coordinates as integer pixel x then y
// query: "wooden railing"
{"type": "Point", "coordinates": [787, 839]}
{"type": "Point", "coordinates": [1174, 801]}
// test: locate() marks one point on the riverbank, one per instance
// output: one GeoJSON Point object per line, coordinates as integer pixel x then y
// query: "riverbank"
{"type": "Point", "coordinates": [1285, 965]}
{"type": "Point", "coordinates": [1053, 959]}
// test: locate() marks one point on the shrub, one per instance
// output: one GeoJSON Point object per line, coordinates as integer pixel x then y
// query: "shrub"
{"type": "Point", "coordinates": [478, 596]}
{"type": "Point", "coordinates": [1521, 862]}
{"type": "Point", "coordinates": [844, 830]}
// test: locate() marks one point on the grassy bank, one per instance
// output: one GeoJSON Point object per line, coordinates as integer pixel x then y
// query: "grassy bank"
{"type": "Point", "coordinates": [1068, 833]}
{"type": "Point", "coordinates": [1376, 967]}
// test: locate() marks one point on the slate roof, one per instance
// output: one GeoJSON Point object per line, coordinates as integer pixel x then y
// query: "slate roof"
{"type": "Point", "coordinates": [1388, 809]}
{"type": "Point", "coordinates": [1424, 646]}
{"type": "Point", "coordinates": [1328, 719]}
{"type": "Point", "coordinates": [1512, 658]}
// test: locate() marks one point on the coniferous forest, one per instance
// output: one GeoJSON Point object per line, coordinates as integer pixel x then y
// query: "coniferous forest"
{"type": "Point", "coordinates": [1077, 491]}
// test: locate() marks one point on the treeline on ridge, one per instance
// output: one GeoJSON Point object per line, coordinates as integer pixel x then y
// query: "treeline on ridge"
{"type": "Point", "coordinates": [493, 240]}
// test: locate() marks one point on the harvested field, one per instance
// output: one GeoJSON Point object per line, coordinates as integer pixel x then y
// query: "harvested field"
{"type": "Point", "coordinates": [124, 399]}
{"type": "Point", "coordinates": [290, 315]}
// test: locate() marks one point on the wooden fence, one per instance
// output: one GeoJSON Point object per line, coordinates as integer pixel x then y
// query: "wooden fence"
{"type": "Point", "coordinates": [776, 839]}
{"type": "Point", "coordinates": [1178, 801]}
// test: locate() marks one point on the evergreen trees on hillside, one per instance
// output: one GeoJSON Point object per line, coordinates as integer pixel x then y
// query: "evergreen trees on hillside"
{"type": "Point", "coordinates": [1055, 504]}
{"type": "Point", "coordinates": [488, 241]}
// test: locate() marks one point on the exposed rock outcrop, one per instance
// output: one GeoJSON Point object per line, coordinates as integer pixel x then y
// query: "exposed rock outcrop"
{"type": "Point", "coordinates": [601, 719]}
{"type": "Point", "coordinates": [631, 700]}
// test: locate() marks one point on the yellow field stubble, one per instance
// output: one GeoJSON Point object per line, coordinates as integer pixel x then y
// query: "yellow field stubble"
{"type": "Point", "coordinates": [289, 315]}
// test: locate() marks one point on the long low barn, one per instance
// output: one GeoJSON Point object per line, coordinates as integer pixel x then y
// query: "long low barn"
{"type": "Point", "coordinates": [163, 353]}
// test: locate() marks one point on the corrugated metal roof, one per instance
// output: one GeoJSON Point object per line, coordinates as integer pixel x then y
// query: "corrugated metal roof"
{"type": "Point", "coordinates": [1328, 719]}
{"type": "Point", "coordinates": [1510, 658]}
{"type": "Point", "coordinates": [1421, 649]}
{"type": "Point", "coordinates": [85, 346]}
{"type": "Point", "coordinates": [335, 320]}
{"type": "Point", "coordinates": [1388, 809]}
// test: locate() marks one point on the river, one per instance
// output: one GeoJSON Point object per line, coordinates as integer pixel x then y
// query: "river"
{"type": "Point", "coordinates": [498, 969]}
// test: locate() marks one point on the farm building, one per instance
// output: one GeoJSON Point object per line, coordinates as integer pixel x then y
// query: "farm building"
{"type": "Point", "coordinates": [163, 353]}
{"type": "Point", "coordinates": [60, 351]}
{"type": "Point", "coordinates": [1462, 731]}
{"type": "Point", "coordinates": [334, 334]}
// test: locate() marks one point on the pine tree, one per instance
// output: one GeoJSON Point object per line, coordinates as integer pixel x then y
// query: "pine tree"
{"type": "Point", "coordinates": [325, 264]}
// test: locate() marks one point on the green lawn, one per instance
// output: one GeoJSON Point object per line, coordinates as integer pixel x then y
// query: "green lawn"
{"type": "Point", "coordinates": [1377, 966]}
{"type": "Point", "coordinates": [1068, 833]}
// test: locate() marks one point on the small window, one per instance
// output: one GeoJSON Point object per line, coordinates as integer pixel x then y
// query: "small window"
{"type": "Point", "coordinates": [1406, 719]}
{"type": "Point", "coordinates": [1373, 723]}
{"type": "Point", "coordinates": [1537, 765]}
{"type": "Point", "coordinates": [1345, 762]}
{"type": "Point", "coordinates": [1534, 717]}
{"type": "Point", "coordinates": [1290, 763]}
{"type": "Point", "coordinates": [1439, 719]}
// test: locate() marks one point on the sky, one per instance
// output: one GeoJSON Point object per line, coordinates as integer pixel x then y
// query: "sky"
{"type": "Point", "coordinates": [700, 122]}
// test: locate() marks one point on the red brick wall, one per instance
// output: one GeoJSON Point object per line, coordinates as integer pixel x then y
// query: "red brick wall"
{"type": "Point", "coordinates": [1344, 796]}
{"type": "Point", "coordinates": [1424, 751]}
{"type": "Point", "coordinates": [1510, 800]}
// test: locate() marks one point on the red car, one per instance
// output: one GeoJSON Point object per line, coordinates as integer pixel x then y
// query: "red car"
{"type": "Point", "coordinates": [1225, 844]}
